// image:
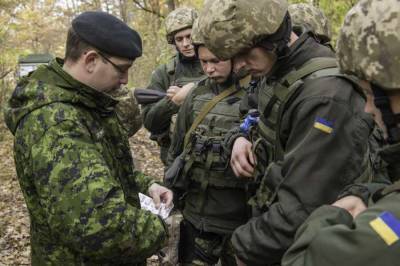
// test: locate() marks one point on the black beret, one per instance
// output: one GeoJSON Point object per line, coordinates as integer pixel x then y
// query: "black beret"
{"type": "Point", "coordinates": [108, 34]}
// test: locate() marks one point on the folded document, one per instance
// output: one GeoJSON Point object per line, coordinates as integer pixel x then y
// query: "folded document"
{"type": "Point", "coordinates": [147, 203]}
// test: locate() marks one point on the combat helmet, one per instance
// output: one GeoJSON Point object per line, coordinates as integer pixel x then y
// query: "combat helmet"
{"type": "Point", "coordinates": [197, 38]}
{"type": "Point", "coordinates": [179, 19]}
{"type": "Point", "coordinates": [309, 17]}
{"type": "Point", "coordinates": [231, 26]}
{"type": "Point", "coordinates": [369, 43]}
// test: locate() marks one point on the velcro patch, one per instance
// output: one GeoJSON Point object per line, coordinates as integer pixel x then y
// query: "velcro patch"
{"type": "Point", "coordinates": [387, 226]}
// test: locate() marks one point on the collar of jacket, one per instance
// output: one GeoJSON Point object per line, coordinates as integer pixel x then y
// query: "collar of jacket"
{"type": "Point", "coordinates": [302, 50]}
{"type": "Point", "coordinates": [185, 60]}
{"type": "Point", "coordinates": [217, 88]}
{"type": "Point", "coordinates": [84, 94]}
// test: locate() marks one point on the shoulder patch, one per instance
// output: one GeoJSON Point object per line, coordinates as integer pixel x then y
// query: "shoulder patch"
{"type": "Point", "coordinates": [387, 226]}
{"type": "Point", "coordinates": [323, 125]}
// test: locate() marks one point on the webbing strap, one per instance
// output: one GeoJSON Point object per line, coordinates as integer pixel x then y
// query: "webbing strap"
{"type": "Point", "coordinates": [210, 105]}
{"type": "Point", "coordinates": [311, 66]}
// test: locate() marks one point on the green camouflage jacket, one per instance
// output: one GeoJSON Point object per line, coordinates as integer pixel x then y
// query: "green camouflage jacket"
{"type": "Point", "coordinates": [77, 176]}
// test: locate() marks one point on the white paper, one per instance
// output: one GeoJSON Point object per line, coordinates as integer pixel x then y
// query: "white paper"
{"type": "Point", "coordinates": [147, 203]}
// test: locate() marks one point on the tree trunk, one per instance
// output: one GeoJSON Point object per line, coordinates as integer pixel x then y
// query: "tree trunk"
{"type": "Point", "coordinates": [123, 11]}
{"type": "Point", "coordinates": [171, 5]}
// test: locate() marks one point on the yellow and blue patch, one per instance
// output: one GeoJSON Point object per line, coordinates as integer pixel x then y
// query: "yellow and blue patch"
{"type": "Point", "coordinates": [323, 125]}
{"type": "Point", "coordinates": [387, 226]}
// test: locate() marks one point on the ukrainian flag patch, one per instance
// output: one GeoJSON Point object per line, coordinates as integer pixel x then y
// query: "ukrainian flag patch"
{"type": "Point", "coordinates": [387, 226]}
{"type": "Point", "coordinates": [323, 125]}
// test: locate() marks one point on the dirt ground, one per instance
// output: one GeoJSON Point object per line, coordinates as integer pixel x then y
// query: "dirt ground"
{"type": "Point", "coordinates": [14, 218]}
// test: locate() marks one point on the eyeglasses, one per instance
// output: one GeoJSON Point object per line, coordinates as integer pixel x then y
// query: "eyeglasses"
{"type": "Point", "coordinates": [120, 70]}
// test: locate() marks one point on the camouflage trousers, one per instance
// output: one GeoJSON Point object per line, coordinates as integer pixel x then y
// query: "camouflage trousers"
{"type": "Point", "coordinates": [204, 248]}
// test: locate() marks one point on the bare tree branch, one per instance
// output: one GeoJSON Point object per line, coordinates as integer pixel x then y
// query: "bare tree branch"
{"type": "Point", "coordinates": [141, 6]}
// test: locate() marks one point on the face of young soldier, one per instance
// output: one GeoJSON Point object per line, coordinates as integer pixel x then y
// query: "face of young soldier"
{"type": "Point", "coordinates": [183, 42]}
{"type": "Point", "coordinates": [213, 67]}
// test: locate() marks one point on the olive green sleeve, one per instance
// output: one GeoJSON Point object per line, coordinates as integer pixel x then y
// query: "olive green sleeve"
{"type": "Point", "coordinates": [330, 236]}
{"type": "Point", "coordinates": [157, 116]}
{"type": "Point", "coordinates": [317, 164]}
{"type": "Point", "coordinates": [85, 205]}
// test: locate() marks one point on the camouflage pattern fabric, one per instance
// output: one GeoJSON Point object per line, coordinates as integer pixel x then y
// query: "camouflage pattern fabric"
{"type": "Point", "coordinates": [368, 44]}
{"type": "Point", "coordinates": [76, 173]}
{"type": "Point", "coordinates": [230, 26]}
{"type": "Point", "coordinates": [311, 18]}
{"type": "Point", "coordinates": [197, 38]}
{"type": "Point", "coordinates": [127, 110]}
{"type": "Point", "coordinates": [168, 256]}
{"type": "Point", "coordinates": [179, 19]}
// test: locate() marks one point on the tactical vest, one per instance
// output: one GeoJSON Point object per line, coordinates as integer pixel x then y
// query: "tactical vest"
{"type": "Point", "coordinates": [211, 179]}
{"type": "Point", "coordinates": [274, 100]}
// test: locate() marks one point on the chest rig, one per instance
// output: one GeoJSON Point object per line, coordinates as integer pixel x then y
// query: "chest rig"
{"type": "Point", "coordinates": [206, 161]}
{"type": "Point", "coordinates": [274, 99]}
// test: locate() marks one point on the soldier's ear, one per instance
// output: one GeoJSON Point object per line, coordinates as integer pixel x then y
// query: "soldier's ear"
{"type": "Point", "coordinates": [90, 59]}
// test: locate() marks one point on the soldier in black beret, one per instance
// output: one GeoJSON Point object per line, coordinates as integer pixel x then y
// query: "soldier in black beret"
{"type": "Point", "coordinates": [100, 50]}
{"type": "Point", "coordinates": [72, 154]}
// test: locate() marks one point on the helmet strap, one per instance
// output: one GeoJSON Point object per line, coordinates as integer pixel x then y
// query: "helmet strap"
{"type": "Point", "coordinates": [390, 119]}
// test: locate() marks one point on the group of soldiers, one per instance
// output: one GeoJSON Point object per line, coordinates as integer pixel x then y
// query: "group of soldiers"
{"type": "Point", "coordinates": [278, 150]}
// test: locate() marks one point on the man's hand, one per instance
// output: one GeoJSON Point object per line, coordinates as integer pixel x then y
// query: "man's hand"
{"type": "Point", "coordinates": [354, 205]}
{"type": "Point", "coordinates": [160, 194]}
{"type": "Point", "coordinates": [172, 91]}
{"type": "Point", "coordinates": [242, 158]}
{"type": "Point", "coordinates": [177, 94]}
{"type": "Point", "coordinates": [239, 262]}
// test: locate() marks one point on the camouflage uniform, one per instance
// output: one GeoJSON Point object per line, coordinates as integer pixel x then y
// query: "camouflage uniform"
{"type": "Point", "coordinates": [311, 139]}
{"type": "Point", "coordinates": [331, 236]}
{"type": "Point", "coordinates": [76, 173]}
{"type": "Point", "coordinates": [308, 17]}
{"type": "Point", "coordinates": [180, 70]}
{"type": "Point", "coordinates": [127, 110]}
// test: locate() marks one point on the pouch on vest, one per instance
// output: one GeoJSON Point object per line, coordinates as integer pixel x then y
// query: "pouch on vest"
{"type": "Point", "coordinates": [173, 176]}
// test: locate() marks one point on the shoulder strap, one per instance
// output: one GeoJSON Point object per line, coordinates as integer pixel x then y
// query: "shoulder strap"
{"type": "Point", "coordinates": [171, 69]}
{"type": "Point", "coordinates": [171, 65]}
{"type": "Point", "coordinates": [311, 66]}
{"type": "Point", "coordinates": [210, 105]}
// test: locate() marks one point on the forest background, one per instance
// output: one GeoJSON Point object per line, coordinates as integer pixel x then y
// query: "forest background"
{"type": "Point", "coordinates": [40, 26]}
